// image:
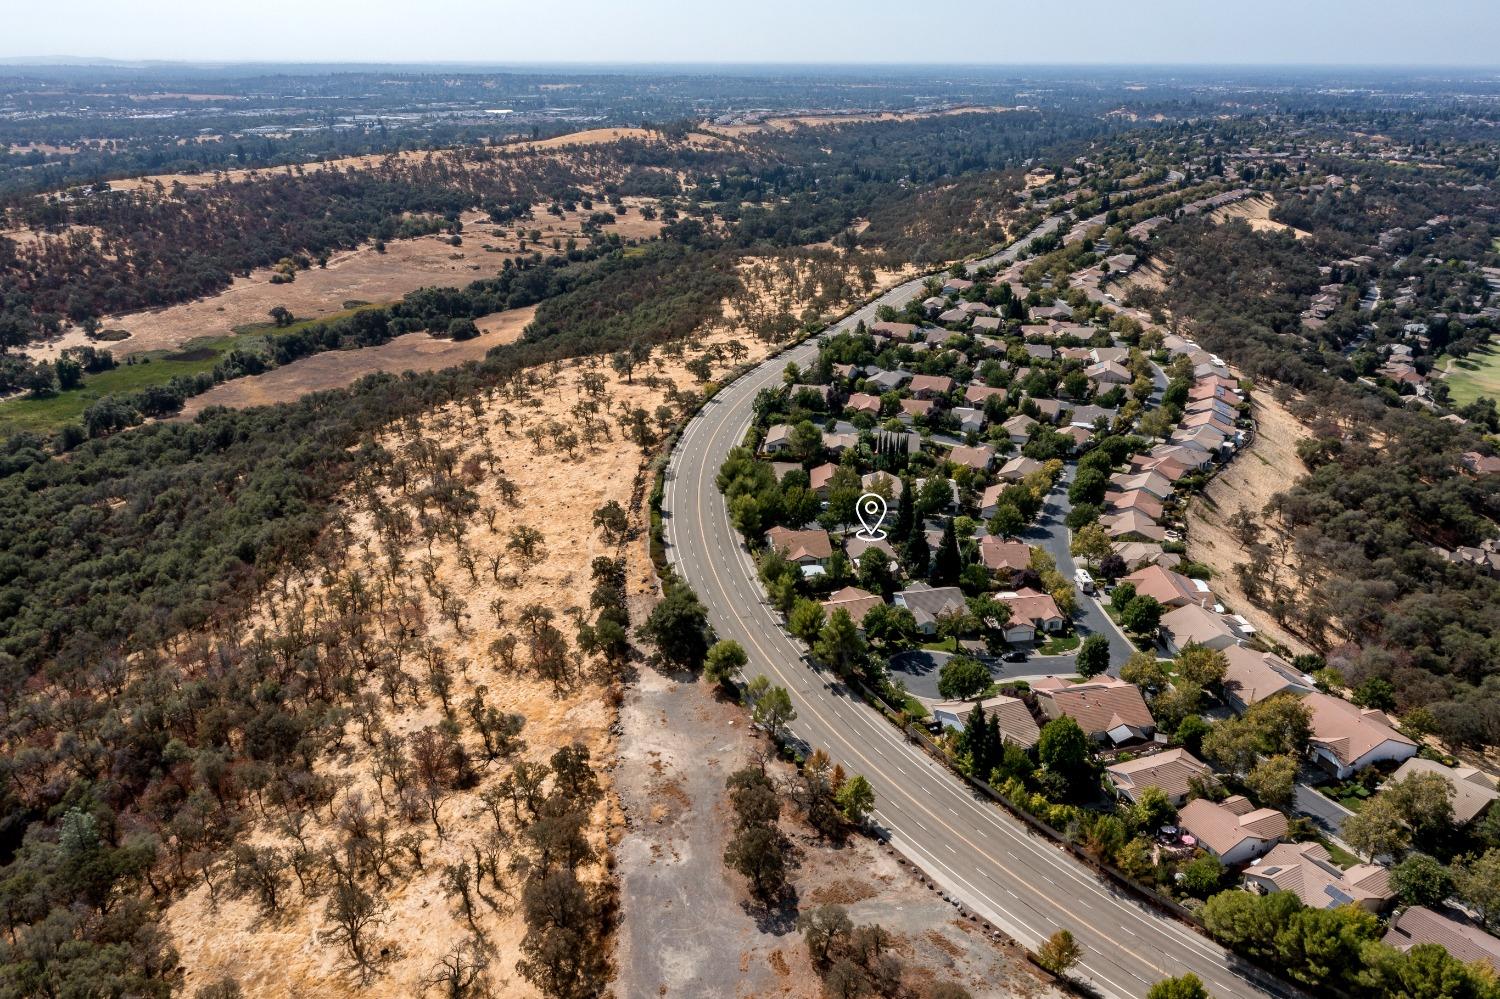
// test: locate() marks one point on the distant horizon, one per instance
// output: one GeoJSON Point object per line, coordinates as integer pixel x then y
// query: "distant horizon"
{"type": "Point", "coordinates": [63, 61]}
{"type": "Point", "coordinates": [1350, 34]}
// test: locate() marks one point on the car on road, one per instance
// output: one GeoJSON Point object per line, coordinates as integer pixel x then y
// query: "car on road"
{"type": "Point", "coordinates": [1014, 656]}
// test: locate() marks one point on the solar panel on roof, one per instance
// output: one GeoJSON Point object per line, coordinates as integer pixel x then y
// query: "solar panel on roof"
{"type": "Point", "coordinates": [1338, 896]}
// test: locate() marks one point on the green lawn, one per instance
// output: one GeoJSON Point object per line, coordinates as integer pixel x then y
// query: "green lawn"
{"type": "Point", "coordinates": [1470, 377]}
{"type": "Point", "coordinates": [156, 367]}
{"type": "Point", "coordinates": [914, 708]}
{"type": "Point", "coordinates": [1338, 854]}
{"type": "Point", "coordinates": [1056, 646]}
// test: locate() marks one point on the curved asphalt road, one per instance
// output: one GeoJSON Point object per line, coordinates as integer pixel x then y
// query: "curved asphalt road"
{"type": "Point", "coordinates": [981, 855]}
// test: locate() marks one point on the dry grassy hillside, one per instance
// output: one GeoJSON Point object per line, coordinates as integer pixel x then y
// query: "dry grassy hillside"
{"type": "Point", "coordinates": [543, 455]}
{"type": "Point", "coordinates": [1269, 466]}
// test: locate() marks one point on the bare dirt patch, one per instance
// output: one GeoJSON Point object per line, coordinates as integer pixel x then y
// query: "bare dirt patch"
{"type": "Point", "coordinates": [1150, 276]}
{"type": "Point", "coordinates": [685, 912]}
{"type": "Point", "coordinates": [339, 368]}
{"type": "Point", "coordinates": [1257, 212]}
{"type": "Point", "coordinates": [587, 137]}
{"type": "Point", "coordinates": [786, 123]}
{"type": "Point", "coordinates": [602, 136]}
{"type": "Point", "coordinates": [1269, 466]}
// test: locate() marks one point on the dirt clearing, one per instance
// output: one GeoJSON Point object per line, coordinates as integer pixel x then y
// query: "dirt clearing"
{"type": "Point", "coordinates": [1269, 466]}
{"type": "Point", "coordinates": [690, 928]}
{"type": "Point", "coordinates": [1257, 212]}
{"type": "Point", "coordinates": [338, 368]}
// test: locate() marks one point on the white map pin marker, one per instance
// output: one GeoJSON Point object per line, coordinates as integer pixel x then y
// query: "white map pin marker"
{"type": "Point", "coordinates": [871, 510]}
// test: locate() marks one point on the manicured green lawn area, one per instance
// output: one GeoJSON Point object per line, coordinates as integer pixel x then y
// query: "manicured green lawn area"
{"type": "Point", "coordinates": [155, 367]}
{"type": "Point", "coordinates": [1470, 377]}
{"type": "Point", "coordinates": [1338, 854]}
{"type": "Point", "coordinates": [1057, 645]}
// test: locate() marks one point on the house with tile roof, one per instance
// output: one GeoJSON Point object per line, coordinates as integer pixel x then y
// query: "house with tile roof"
{"type": "Point", "coordinates": [977, 395]}
{"type": "Point", "coordinates": [1132, 525]}
{"type": "Point", "coordinates": [1108, 709]}
{"type": "Point", "coordinates": [1018, 428]}
{"type": "Point", "coordinates": [999, 555]}
{"type": "Point", "coordinates": [1233, 830]}
{"type": "Point", "coordinates": [930, 386]}
{"type": "Point", "coordinates": [855, 601]}
{"type": "Point", "coordinates": [1474, 791]}
{"type": "Point", "coordinates": [1347, 738]}
{"type": "Point", "coordinates": [1173, 772]}
{"type": "Point", "coordinates": [1011, 714]}
{"type": "Point", "coordinates": [805, 548]}
{"type": "Point", "coordinates": [1449, 930]}
{"type": "Point", "coordinates": [1170, 589]}
{"type": "Point", "coordinates": [1307, 870]}
{"type": "Point", "coordinates": [1252, 676]}
{"type": "Point", "coordinates": [928, 603]}
{"type": "Point", "coordinates": [1138, 554]}
{"type": "Point", "coordinates": [1018, 468]}
{"type": "Point", "coordinates": [1153, 483]}
{"type": "Point", "coordinates": [1195, 625]}
{"type": "Point", "coordinates": [901, 332]}
{"type": "Point", "coordinates": [979, 457]}
{"type": "Point", "coordinates": [1031, 613]}
{"type": "Point", "coordinates": [778, 439]}
{"type": "Point", "coordinates": [1135, 500]}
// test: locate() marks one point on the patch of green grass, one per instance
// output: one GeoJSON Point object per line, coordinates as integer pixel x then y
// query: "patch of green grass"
{"type": "Point", "coordinates": [944, 645]}
{"type": "Point", "coordinates": [914, 708]}
{"type": "Point", "coordinates": [1057, 645]}
{"type": "Point", "coordinates": [1339, 855]}
{"type": "Point", "coordinates": [1478, 374]}
{"type": "Point", "coordinates": [156, 367]}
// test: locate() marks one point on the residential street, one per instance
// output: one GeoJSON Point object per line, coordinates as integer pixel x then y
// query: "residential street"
{"type": "Point", "coordinates": [981, 855]}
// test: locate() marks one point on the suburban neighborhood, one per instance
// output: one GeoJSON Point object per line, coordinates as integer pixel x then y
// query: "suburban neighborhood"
{"type": "Point", "coordinates": [1028, 602]}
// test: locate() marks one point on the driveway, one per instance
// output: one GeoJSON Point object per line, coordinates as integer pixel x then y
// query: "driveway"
{"type": "Point", "coordinates": [1327, 814]}
{"type": "Point", "coordinates": [918, 669]}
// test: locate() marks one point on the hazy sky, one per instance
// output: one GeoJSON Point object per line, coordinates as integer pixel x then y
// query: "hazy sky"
{"type": "Point", "coordinates": [1364, 32]}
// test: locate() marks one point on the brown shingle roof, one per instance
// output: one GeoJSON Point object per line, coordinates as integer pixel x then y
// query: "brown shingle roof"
{"type": "Point", "coordinates": [1171, 589]}
{"type": "Point", "coordinates": [797, 545]}
{"type": "Point", "coordinates": [1192, 623]}
{"type": "Point", "coordinates": [1307, 870]}
{"type": "Point", "coordinates": [979, 457]}
{"type": "Point", "coordinates": [854, 600]}
{"type": "Point", "coordinates": [1347, 731]}
{"type": "Point", "coordinates": [1098, 706]}
{"type": "Point", "coordinates": [1465, 941]}
{"type": "Point", "coordinates": [1253, 676]}
{"type": "Point", "coordinates": [998, 554]}
{"type": "Point", "coordinates": [1011, 714]}
{"type": "Point", "coordinates": [1029, 605]}
{"type": "Point", "coordinates": [1473, 790]}
{"type": "Point", "coordinates": [1222, 825]}
{"type": "Point", "coordinates": [1173, 772]}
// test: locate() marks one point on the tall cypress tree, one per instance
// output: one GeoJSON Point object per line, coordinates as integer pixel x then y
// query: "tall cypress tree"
{"type": "Point", "coordinates": [979, 739]}
{"type": "Point", "coordinates": [906, 513]}
{"type": "Point", "coordinates": [917, 556]}
{"type": "Point", "coordinates": [948, 564]}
